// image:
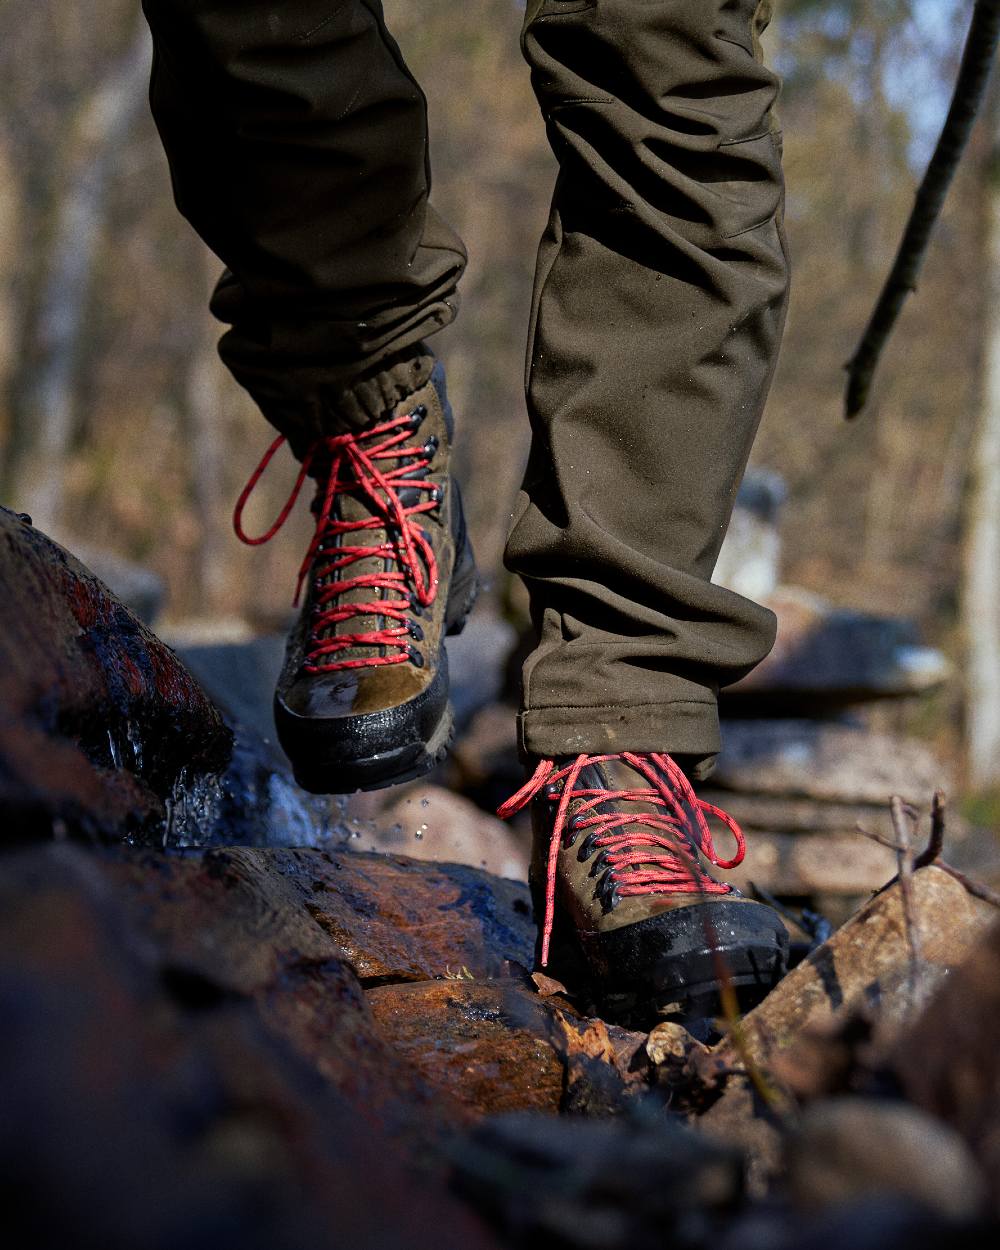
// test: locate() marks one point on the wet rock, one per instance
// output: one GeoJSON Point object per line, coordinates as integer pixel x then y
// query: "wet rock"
{"type": "Point", "coordinates": [486, 1045]}
{"type": "Point", "coordinates": [150, 1104]}
{"type": "Point", "coordinates": [97, 717]}
{"type": "Point", "coordinates": [252, 801]}
{"type": "Point", "coordinates": [138, 588]}
{"type": "Point", "coordinates": [949, 1062]}
{"type": "Point", "coordinates": [639, 1181]}
{"type": "Point", "coordinates": [429, 822]}
{"type": "Point", "coordinates": [826, 659]}
{"type": "Point", "coordinates": [852, 1148]}
{"type": "Point", "coordinates": [390, 918]}
{"type": "Point", "coordinates": [826, 761]}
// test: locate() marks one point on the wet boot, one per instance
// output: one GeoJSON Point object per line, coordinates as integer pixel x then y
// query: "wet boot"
{"type": "Point", "coordinates": [622, 893]}
{"type": "Point", "coordinates": [362, 700]}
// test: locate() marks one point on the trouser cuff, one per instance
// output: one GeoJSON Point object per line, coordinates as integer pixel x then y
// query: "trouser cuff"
{"type": "Point", "coordinates": [686, 729]}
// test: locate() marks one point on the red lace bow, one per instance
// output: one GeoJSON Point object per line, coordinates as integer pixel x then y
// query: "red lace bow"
{"type": "Point", "coordinates": [645, 852]}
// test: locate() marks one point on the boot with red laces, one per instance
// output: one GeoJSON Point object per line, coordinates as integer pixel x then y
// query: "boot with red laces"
{"type": "Point", "coordinates": [620, 885]}
{"type": "Point", "coordinates": [362, 700]}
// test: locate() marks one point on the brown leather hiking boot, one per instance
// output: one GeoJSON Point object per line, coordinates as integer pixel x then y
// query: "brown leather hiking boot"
{"type": "Point", "coordinates": [362, 700]}
{"type": "Point", "coordinates": [617, 878]}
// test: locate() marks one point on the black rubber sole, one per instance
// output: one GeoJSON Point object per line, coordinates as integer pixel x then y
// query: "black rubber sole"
{"type": "Point", "coordinates": [379, 770]}
{"type": "Point", "coordinates": [676, 963]}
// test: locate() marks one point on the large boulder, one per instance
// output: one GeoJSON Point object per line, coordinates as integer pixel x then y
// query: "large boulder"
{"type": "Point", "coordinates": [244, 1099]}
{"type": "Point", "coordinates": [827, 658]}
{"type": "Point", "coordinates": [828, 761]}
{"type": "Point", "coordinates": [98, 718]}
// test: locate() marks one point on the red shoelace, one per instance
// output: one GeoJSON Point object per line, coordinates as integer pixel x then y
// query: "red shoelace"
{"type": "Point", "coordinates": [354, 459]}
{"type": "Point", "coordinates": [654, 851]}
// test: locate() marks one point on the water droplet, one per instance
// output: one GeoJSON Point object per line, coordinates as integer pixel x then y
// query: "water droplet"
{"type": "Point", "coordinates": [425, 802]}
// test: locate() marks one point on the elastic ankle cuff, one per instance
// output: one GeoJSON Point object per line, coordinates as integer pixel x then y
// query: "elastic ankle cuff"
{"type": "Point", "coordinates": [375, 394]}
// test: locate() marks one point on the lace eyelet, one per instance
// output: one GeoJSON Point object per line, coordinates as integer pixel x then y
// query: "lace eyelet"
{"type": "Point", "coordinates": [416, 633]}
{"type": "Point", "coordinates": [416, 659]}
{"type": "Point", "coordinates": [587, 846]}
{"type": "Point", "coordinates": [599, 864]}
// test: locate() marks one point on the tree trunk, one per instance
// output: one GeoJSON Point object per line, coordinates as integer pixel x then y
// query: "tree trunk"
{"type": "Point", "coordinates": [47, 411]}
{"type": "Point", "coordinates": [982, 566]}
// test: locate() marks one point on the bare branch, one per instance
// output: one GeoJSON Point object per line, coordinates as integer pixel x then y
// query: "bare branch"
{"type": "Point", "coordinates": [977, 60]}
{"type": "Point", "coordinates": [975, 888]}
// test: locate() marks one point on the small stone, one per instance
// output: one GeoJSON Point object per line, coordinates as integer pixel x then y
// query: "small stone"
{"type": "Point", "coordinates": [670, 1041]}
{"type": "Point", "coordinates": [851, 1148]}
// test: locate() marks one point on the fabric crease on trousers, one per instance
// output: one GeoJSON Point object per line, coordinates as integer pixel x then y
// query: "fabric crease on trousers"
{"type": "Point", "coordinates": [297, 140]}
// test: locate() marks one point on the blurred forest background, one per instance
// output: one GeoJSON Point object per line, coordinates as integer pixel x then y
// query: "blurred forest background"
{"type": "Point", "coordinates": [119, 429]}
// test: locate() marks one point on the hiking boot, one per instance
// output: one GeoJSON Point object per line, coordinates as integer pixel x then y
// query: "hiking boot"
{"type": "Point", "coordinates": [362, 700]}
{"type": "Point", "coordinates": [621, 891]}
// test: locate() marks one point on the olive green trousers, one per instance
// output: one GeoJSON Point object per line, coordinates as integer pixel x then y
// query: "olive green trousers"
{"type": "Point", "coordinates": [297, 141]}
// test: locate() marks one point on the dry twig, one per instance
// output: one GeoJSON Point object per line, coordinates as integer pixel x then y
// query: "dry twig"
{"type": "Point", "coordinates": [931, 854]}
{"type": "Point", "coordinates": [903, 822]}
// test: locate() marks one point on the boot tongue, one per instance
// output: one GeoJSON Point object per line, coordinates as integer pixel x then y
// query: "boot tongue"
{"type": "Point", "coordinates": [616, 774]}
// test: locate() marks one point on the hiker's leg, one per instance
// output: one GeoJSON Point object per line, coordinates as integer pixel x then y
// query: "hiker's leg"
{"type": "Point", "coordinates": [659, 302]}
{"type": "Point", "coordinates": [297, 142]}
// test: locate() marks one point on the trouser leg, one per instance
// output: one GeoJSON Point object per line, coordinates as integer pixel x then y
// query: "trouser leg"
{"type": "Point", "coordinates": [658, 308]}
{"type": "Point", "coordinates": [297, 142]}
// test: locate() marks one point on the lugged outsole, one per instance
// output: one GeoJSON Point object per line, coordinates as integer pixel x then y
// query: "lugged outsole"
{"type": "Point", "coordinates": [677, 963]}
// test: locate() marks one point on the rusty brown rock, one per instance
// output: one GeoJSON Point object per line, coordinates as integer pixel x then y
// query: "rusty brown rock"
{"type": "Point", "coordinates": [949, 1062]}
{"type": "Point", "coordinates": [146, 1103]}
{"type": "Point", "coordinates": [390, 918]}
{"type": "Point", "coordinates": [485, 1045]}
{"type": "Point", "coordinates": [98, 716]}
